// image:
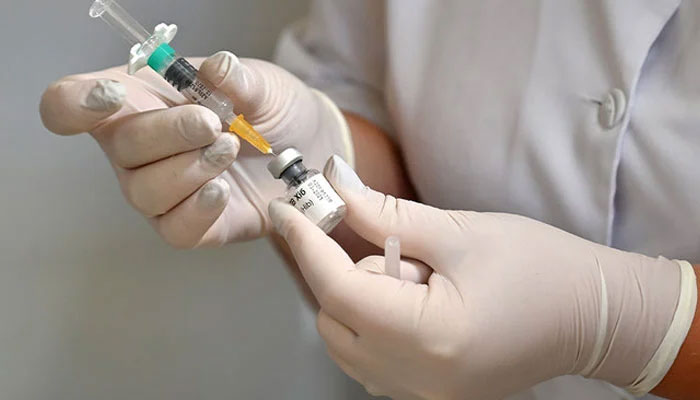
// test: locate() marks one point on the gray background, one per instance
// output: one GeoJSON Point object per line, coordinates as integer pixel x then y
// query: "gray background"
{"type": "Point", "coordinates": [93, 305]}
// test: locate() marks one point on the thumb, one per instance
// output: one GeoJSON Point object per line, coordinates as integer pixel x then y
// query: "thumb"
{"type": "Point", "coordinates": [279, 105]}
{"type": "Point", "coordinates": [320, 258]}
{"type": "Point", "coordinates": [246, 86]}
{"type": "Point", "coordinates": [375, 216]}
{"type": "Point", "coordinates": [71, 106]}
{"type": "Point", "coordinates": [354, 296]}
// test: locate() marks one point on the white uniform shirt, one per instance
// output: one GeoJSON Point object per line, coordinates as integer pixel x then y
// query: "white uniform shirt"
{"type": "Point", "coordinates": [581, 114]}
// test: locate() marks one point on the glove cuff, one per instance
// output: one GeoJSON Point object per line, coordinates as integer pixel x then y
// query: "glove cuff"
{"type": "Point", "coordinates": [665, 355]}
{"type": "Point", "coordinates": [645, 310]}
{"type": "Point", "coordinates": [343, 128]}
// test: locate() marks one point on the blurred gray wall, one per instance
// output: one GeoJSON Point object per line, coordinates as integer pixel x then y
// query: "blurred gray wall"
{"type": "Point", "coordinates": [92, 304]}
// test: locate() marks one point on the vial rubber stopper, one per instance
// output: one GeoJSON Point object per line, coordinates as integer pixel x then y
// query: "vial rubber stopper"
{"type": "Point", "coordinates": [284, 160]}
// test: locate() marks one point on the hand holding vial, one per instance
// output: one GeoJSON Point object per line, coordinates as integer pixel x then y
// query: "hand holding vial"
{"type": "Point", "coordinates": [468, 318]}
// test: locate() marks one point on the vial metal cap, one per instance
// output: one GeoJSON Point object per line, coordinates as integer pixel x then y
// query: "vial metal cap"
{"type": "Point", "coordinates": [283, 161]}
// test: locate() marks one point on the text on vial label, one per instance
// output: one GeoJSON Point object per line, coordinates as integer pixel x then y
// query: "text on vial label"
{"type": "Point", "coordinates": [316, 198]}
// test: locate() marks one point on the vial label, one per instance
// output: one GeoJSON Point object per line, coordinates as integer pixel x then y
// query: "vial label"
{"type": "Point", "coordinates": [316, 198]}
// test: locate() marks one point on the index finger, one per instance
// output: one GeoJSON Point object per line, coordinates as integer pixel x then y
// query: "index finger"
{"type": "Point", "coordinates": [72, 105]}
{"type": "Point", "coordinates": [358, 298]}
{"type": "Point", "coordinates": [81, 103]}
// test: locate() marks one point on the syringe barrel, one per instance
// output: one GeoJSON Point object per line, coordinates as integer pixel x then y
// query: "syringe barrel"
{"type": "Point", "coordinates": [187, 80]}
{"type": "Point", "coordinates": [115, 16]}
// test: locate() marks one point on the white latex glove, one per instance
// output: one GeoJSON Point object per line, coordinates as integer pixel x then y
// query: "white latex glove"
{"type": "Point", "coordinates": [511, 302]}
{"type": "Point", "coordinates": [175, 165]}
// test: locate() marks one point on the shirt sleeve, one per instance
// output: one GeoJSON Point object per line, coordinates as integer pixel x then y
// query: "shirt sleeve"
{"type": "Point", "coordinates": [339, 48]}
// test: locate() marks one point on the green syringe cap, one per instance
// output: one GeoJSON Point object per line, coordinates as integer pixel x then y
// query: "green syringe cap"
{"type": "Point", "coordinates": [161, 57]}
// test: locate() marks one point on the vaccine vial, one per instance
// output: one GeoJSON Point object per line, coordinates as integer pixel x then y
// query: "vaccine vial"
{"type": "Point", "coordinates": [308, 190]}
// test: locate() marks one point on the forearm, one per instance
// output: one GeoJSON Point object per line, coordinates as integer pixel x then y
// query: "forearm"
{"type": "Point", "coordinates": [683, 379]}
{"type": "Point", "coordinates": [374, 152]}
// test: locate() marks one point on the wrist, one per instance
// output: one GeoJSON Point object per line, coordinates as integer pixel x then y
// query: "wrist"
{"type": "Point", "coordinates": [638, 324]}
{"type": "Point", "coordinates": [670, 346]}
{"type": "Point", "coordinates": [681, 380]}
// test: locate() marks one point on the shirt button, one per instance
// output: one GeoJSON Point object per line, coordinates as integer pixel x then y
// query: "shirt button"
{"type": "Point", "coordinates": [612, 108]}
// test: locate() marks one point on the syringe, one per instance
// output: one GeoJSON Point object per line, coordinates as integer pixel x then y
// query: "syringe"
{"type": "Point", "coordinates": [154, 50]}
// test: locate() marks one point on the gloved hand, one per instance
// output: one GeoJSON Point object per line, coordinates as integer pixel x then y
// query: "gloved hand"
{"type": "Point", "coordinates": [510, 302]}
{"type": "Point", "coordinates": [175, 165]}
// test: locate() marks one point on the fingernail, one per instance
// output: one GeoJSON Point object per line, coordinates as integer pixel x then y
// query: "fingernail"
{"type": "Point", "coordinates": [106, 95]}
{"type": "Point", "coordinates": [222, 152]}
{"type": "Point", "coordinates": [342, 176]}
{"type": "Point", "coordinates": [223, 62]}
{"type": "Point", "coordinates": [213, 194]}
{"type": "Point", "coordinates": [276, 210]}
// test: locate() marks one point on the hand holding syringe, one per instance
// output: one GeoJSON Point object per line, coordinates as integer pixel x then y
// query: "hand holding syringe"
{"type": "Point", "coordinates": [196, 185]}
{"type": "Point", "coordinates": [154, 51]}
{"type": "Point", "coordinates": [322, 205]}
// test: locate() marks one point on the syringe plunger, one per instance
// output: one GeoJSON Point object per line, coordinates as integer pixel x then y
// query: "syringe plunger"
{"type": "Point", "coordinates": [115, 16]}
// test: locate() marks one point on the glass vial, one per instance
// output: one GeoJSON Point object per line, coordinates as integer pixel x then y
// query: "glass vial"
{"type": "Point", "coordinates": [308, 190]}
